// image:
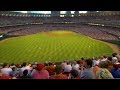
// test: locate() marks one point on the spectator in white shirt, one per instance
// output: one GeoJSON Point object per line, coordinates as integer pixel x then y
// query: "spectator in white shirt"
{"type": "Point", "coordinates": [6, 69]}
{"type": "Point", "coordinates": [68, 67]}
{"type": "Point", "coordinates": [75, 66]}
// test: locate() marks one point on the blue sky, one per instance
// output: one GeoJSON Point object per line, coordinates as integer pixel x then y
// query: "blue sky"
{"type": "Point", "coordinates": [48, 12]}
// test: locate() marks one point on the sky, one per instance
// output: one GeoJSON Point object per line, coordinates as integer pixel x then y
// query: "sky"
{"type": "Point", "coordinates": [48, 12]}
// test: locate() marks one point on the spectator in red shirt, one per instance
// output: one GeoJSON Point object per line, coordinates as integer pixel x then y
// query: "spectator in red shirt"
{"type": "Point", "coordinates": [40, 73]}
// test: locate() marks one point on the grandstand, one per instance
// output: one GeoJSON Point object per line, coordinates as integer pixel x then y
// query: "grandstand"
{"type": "Point", "coordinates": [107, 19]}
{"type": "Point", "coordinates": [33, 37]}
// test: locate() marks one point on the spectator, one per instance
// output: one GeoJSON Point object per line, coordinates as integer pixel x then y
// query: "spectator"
{"type": "Point", "coordinates": [4, 76]}
{"type": "Point", "coordinates": [75, 66]}
{"type": "Point", "coordinates": [64, 64]}
{"type": "Point", "coordinates": [95, 61]}
{"type": "Point", "coordinates": [68, 68]}
{"type": "Point", "coordinates": [114, 58]}
{"type": "Point", "coordinates": [50, 69]}
{"type": "Point", "coordinates": [109, 58]}
{"type": "Point", "coordinates": [6, 69]}
{"type": "Point", "coordinates": [25, 66]}
{"type": "Point", "coordinates": [87, 73]}
{"type": "Point", "coordinates": [40, 73]}
{"type": "Point", "coordinates": [58, 73]}
{"type": "Point", "coordinates": [14, 72]}
{"type": "Point", "coordinates": [115, 71]}
{"type": "Point", "coordinates": [74, 74]}
{"type": "Point", "coordinates": [95, 69]}
{"type": "Point", "coordinates": [25, 75]}
{"type": "Point", "coordinates": [103, 72]}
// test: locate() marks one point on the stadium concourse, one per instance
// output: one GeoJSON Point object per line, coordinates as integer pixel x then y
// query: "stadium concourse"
{"type": "Point", "coordinates": [103, 25]}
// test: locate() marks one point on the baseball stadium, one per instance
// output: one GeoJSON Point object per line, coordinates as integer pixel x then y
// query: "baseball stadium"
{"type": "Point", "coordinates": [59, 44]}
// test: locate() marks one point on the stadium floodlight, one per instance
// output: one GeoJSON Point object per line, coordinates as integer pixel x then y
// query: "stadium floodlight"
{"type": "Point", "coordinates": [72, 15]}
{"type": "Point", "coordinates": [102, 24]}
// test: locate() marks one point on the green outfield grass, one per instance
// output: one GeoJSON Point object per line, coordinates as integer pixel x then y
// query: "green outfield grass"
{"type": "Point", "coordinates": [50, 46]}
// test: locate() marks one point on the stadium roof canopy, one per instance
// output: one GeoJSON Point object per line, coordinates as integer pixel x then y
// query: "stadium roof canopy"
{"type": "Point", "coordinates": [40, 12]}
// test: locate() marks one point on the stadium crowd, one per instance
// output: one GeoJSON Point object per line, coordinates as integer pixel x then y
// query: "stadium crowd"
{"type": "Point", "coordinates": [23, 24]}
{"type": "Point", "coordinates": [96, 32]}
{"type": "Point", "coordinates": [9, 19]}
{"type": "Point", "coordinates": [104, 67]}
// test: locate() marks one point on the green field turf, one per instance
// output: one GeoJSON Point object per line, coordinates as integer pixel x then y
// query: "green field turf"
{"type": "Point", "coordinates": [50, 46]}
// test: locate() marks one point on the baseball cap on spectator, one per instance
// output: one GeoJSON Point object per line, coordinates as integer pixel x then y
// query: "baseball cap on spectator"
{"type": "Point", "coordinates": [117, 65]}
{"type": "Point", "coordinates": [40, 66]}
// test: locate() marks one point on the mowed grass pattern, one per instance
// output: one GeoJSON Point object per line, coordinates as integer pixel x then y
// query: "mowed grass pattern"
{"type": "Point", "coordinates": [50, 46]}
